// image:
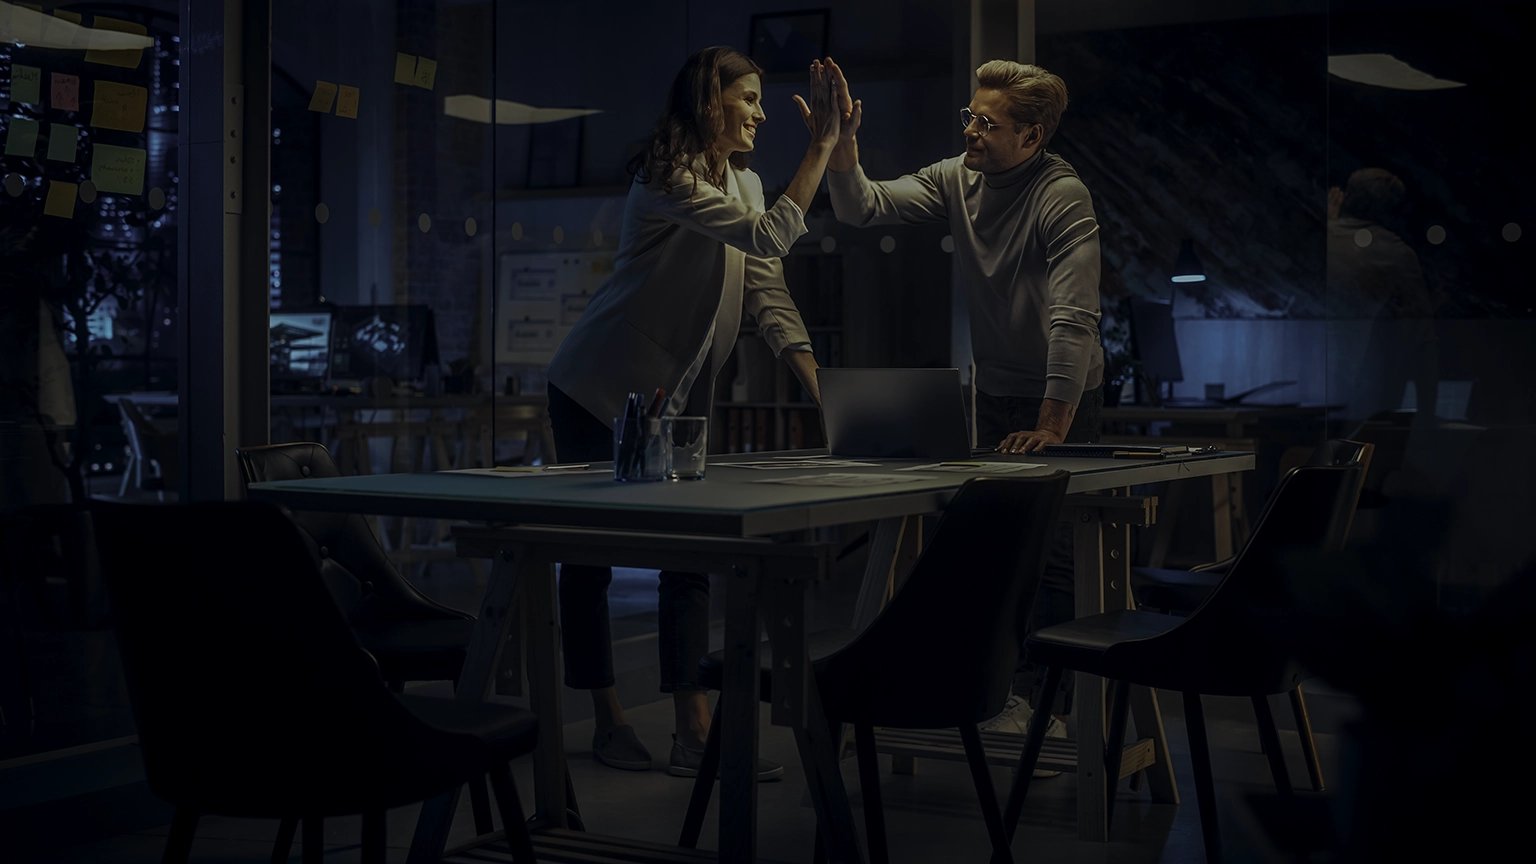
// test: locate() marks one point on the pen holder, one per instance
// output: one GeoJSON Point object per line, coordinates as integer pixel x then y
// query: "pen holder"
{"type": "Point", "coordinates": [642, 450]}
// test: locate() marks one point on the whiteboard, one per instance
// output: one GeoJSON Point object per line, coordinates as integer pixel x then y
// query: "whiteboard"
{"type": "Point", "coordinates": [539, 297]}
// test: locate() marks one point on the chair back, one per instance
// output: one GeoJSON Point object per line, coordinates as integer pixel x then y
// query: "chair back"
{"type": "Point", "coordinates": [250, 693]}
{"type": "Point", "coordinates": [1240, 631]}
{"type": "Point", "coordinates": [364, 581]}
{"type": "Point", "coordinates": [942, 653]}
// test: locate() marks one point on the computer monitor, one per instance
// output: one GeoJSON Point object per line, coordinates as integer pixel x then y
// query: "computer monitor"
{"type": "Point", "coordinates": [1153, 342]}
{"type": "Point", "coordinates": [396, 341]}
{"type": "Point", "coordinates": [299, 345]}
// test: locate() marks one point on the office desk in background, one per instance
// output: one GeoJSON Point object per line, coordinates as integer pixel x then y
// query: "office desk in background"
{"type": "Point", "coordinates": [754, 534]}
{"type": "Point", "coordinates": [1264, 430]}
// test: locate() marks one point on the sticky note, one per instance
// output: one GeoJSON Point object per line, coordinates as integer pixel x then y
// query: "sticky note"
{"type": "Point", "coordinates": [26, 84]}
{"type": "Point", "coordinates": [119, 106]}
{"type": "Point", "coordinates": [346, 101]}
{"type": "Point", "coordinates": [66, 30]}
{"type": "Point", "coordinates": [405, 68]}
{"type": "Point", "coordinates": [64, 92]}
{"type": "Point", "coordinates": [325, 94]}
{"type": "Point", "coordinates": [20, 25]}
{"type": "Point", "coordinates": [61, 199]}
{"type": "Point", "coordinates": [118, 169]}
{"type": "Point", "coordinates": [62, 140]}
{"type": "Point", "coordinates": [22, 140]}
{"type": "Point", "coordinates": [127, 58]}
{"type": "Point", "coordinates": [426, 73]}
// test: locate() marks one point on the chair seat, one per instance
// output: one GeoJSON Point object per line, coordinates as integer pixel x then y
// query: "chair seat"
{"type": "Point", "coordinates": [418, 650]}
{"type": "Point", "coordinates": [1172, 590]}
{"type": "Point", "coordinates": [819, 645]}
{"type": "Point", "coordinates": [508, 730]}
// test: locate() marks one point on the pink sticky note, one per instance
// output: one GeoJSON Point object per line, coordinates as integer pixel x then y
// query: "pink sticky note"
{"type": "Point", "coordinates": [66, 92]}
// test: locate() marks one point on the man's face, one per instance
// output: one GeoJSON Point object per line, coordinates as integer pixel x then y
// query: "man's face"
{"type": "Point", "coordinates": [741, 110]}
{"type": "Point", "coordinates": [1007, 144]}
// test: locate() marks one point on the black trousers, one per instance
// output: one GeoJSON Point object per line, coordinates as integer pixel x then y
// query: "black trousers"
{"type": "Point", "coordinates": [585, 637]}
{"type": "Point", "coordinates": [996, 416]}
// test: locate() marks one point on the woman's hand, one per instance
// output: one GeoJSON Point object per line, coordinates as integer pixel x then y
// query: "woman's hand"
{"type": "Point", "coordinates": [824, 115]}
{"type": "Point", "coordinates": [845, 155]}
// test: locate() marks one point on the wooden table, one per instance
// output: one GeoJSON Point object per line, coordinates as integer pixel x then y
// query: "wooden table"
{"type": "Point", "coordinates": [754, 533]}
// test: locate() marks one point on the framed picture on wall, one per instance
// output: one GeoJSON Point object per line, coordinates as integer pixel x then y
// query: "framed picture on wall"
{"type": "Point", "coordinates": [786, 42]}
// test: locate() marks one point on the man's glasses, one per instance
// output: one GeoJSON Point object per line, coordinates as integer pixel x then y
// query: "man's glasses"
{"type": "Point", "coordinates": [983, 124]}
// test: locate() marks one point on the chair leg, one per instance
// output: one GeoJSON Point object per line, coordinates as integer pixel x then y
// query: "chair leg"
{"type": "Point", "coordinates": [374, 837]}
{"type": "Point", "coordinates": [869, 785]}
{"type": "Point", "coordinates": [1114, 747]}
{"type": "Point", "coordinates": [1269, 737]}
{"type": "Point", "coordinates": [314, 840]}
{"type": "Point", "coordinates": [512, 820]}
{"type": "Point", "coordinates": [1205, 786]}
{"type": "Point", "coordinates": [480, 805]}
{"type": "Point", "coordinates": [282, 847]}
{"type": "Point", "coordinates": [1308, 743]}
{"type": "Point", "coordinates": [572, 808]}
{"type": "Point", "coordinates": [704, 784]}
{"type": "Point", "coordinates": [178, 845]}
{"type": "Point", "coordinates": [1033, 741]}
{"type": "Point", "coordinates": [986, 794]}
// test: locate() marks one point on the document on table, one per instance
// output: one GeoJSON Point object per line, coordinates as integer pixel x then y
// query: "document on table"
{"type": "Point", "coordinates": [978, 467]}
{"type": "Point", "coordinates": [841, 479]}
{"type": "Point", "coordinates": [780, 463]}
{"type": "Point", "coordinates": [530, 470]}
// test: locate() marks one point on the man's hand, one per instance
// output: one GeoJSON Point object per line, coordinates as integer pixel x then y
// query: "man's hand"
{"type": "Point", "coordinates": [1028, 441]}
{"type": "Point", "coordinates": [845, 154]}
{"type": "Point", "coordinates": [803, 364]}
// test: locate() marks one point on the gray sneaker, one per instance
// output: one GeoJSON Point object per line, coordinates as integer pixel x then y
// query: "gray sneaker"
{"type": "Point", "coordinates": [686, 760]}
{"type": "Point", "coordinates": [619, 747]}
{"type": "Point", "coordinates": [1014, 719]}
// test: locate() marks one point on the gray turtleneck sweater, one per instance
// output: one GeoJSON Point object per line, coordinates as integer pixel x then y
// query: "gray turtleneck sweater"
{"type": "Point", "coordinates": [1027, 246]}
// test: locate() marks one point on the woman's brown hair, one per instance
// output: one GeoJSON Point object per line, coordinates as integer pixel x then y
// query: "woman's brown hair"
{"type": "Point", "coordinates": [693, 118]}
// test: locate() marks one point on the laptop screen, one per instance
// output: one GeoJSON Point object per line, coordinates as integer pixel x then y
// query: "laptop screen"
{"type": "Point", "coordinates": [894, 413]}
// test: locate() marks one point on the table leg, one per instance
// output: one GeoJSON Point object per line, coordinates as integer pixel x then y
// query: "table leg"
{"type": "Point", "coordinates": [885, 542]}
{"type": "Point", "coordinates": [1088, 693]}
{"type": "Point", "coordinates": [738, 737]}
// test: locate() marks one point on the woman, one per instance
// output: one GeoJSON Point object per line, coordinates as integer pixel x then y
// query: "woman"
{"type": "Point", "coordinates": [697, 249]}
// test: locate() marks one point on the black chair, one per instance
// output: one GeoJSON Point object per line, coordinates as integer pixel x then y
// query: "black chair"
{"type": "Point", "coordinates": [413, 637]}
{"type": "Point", "coordinates": [1236, 643]}
{"type": "Point", "coordinates": [940, 655]}
{"type": "Point", "coordinates": [1179, 592]}
{"type": "Point", "coordinates": [253, 698]}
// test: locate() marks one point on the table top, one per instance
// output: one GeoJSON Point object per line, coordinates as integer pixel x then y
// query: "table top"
{"type": "Point", "coordinates": [731, 501]}
{"type": "Point", "coordinates": [344, 401]}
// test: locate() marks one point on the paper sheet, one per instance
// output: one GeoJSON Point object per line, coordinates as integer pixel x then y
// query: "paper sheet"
{"type": "Point", "coordinates": [127, 58]}
{"type": "Point", "coordinates": [977, 467]}
{"type": "Point", "coordinates": [346, 101]}
{"type": "Point", "coordinates": [61, 199]}
{"type": "Point", "coordinates": [119, 170]}
{"type": "Point", "coordinates": [65, 92]}
{"type": "Point", "coordinates": [325, 94]}
{"type": "Point", "coordinates": [405, 68]}
{"type": "Point", "coordinates": [119, 106]}
{"type": "Point", "coordinates": [21, 140]}
{"type": "Point", "coordinates": [780, 464]}
{"type": "Point", "coordinates": [842, 479]}
{"type": "Point", "coordinates": [26, 84]}
{"type": "Point", "coordinates": [63, 140]}
{"type": "Point", "coordinates": [530, 471]}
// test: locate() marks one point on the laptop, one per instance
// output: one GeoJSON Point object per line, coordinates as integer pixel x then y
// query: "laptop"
{"type": "Point", "coordinates": [894, 413]}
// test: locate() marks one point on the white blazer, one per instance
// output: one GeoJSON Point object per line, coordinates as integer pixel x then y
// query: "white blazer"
{"type": "Point", "coordinates": [685, 256]}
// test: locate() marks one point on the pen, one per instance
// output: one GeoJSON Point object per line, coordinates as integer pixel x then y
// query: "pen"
{"type": "Point", "coordinates": [657, 402]}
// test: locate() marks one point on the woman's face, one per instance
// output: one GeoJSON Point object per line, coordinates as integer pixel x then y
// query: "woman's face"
{"type": "Point", "coordinates": [742, 111]}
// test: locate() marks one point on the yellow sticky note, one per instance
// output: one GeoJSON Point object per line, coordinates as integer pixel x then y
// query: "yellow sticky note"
{"type": "Point", "coordinates": [63, 30]}
{"type": "Point", "coordinates": [118, 169]}
{"type": "Point", "coordinates": [61, 199]}
{"type": "Point", "coordinates": [18, 24]}
{"type": "Point", "coordinates": [426, 73]}
{"type": "Point", "coordinates": [62, 141]}
{"type": "Point", "coordinates": [346, 101]}
{"type": "Point", "coordinates": [26, 84]}
{"type": "Point", "coordinates": [119, 106]}
{"type": "Point", "coordinates": [127, 58]}
{"type": "Point", "coordinates": [65, 92]}
{"type": "Point", "coordinates": [22, 140]}
{"type": "Point", "coordinates": [405, 68]}
{"type": "Point", "coordinates": [325, 94]}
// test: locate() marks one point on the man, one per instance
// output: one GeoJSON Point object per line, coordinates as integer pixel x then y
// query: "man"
{"type": "Point", "coordinates": [1027, 245]}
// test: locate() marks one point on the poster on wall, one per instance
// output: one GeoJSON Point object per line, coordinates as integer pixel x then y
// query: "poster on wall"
{"type": "Point", "coordinates": [539, 297]}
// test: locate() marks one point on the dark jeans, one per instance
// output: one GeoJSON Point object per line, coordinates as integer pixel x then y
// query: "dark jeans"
{"type": "Point", "coordinates": [682, 615]}
{"type": "Point", "coordinates": [996, 416]}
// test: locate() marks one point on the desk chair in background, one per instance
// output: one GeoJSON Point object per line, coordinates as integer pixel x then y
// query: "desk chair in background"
{"type": "Point", "coordinates": [152, 464]}
{"type": "Point", "coordinates": [940, 655]}
{"type": "Point", "coordinates": [1235, 643]}
{"type": "Point", "coordinates": [1179, 592]}
{"type": "Point", "coordinates": [253, 698]}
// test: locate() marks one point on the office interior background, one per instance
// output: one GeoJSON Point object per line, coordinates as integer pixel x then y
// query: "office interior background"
{"type": "Point", "coordinates": [238, 222]}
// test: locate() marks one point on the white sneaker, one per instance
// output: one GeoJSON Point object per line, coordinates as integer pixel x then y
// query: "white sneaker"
{"type": "Point", "coordinates": [1014, 719]}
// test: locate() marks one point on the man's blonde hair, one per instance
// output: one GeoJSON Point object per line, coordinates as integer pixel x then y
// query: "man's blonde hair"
{"type": "Point", "coordinates": [1034, 95]}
